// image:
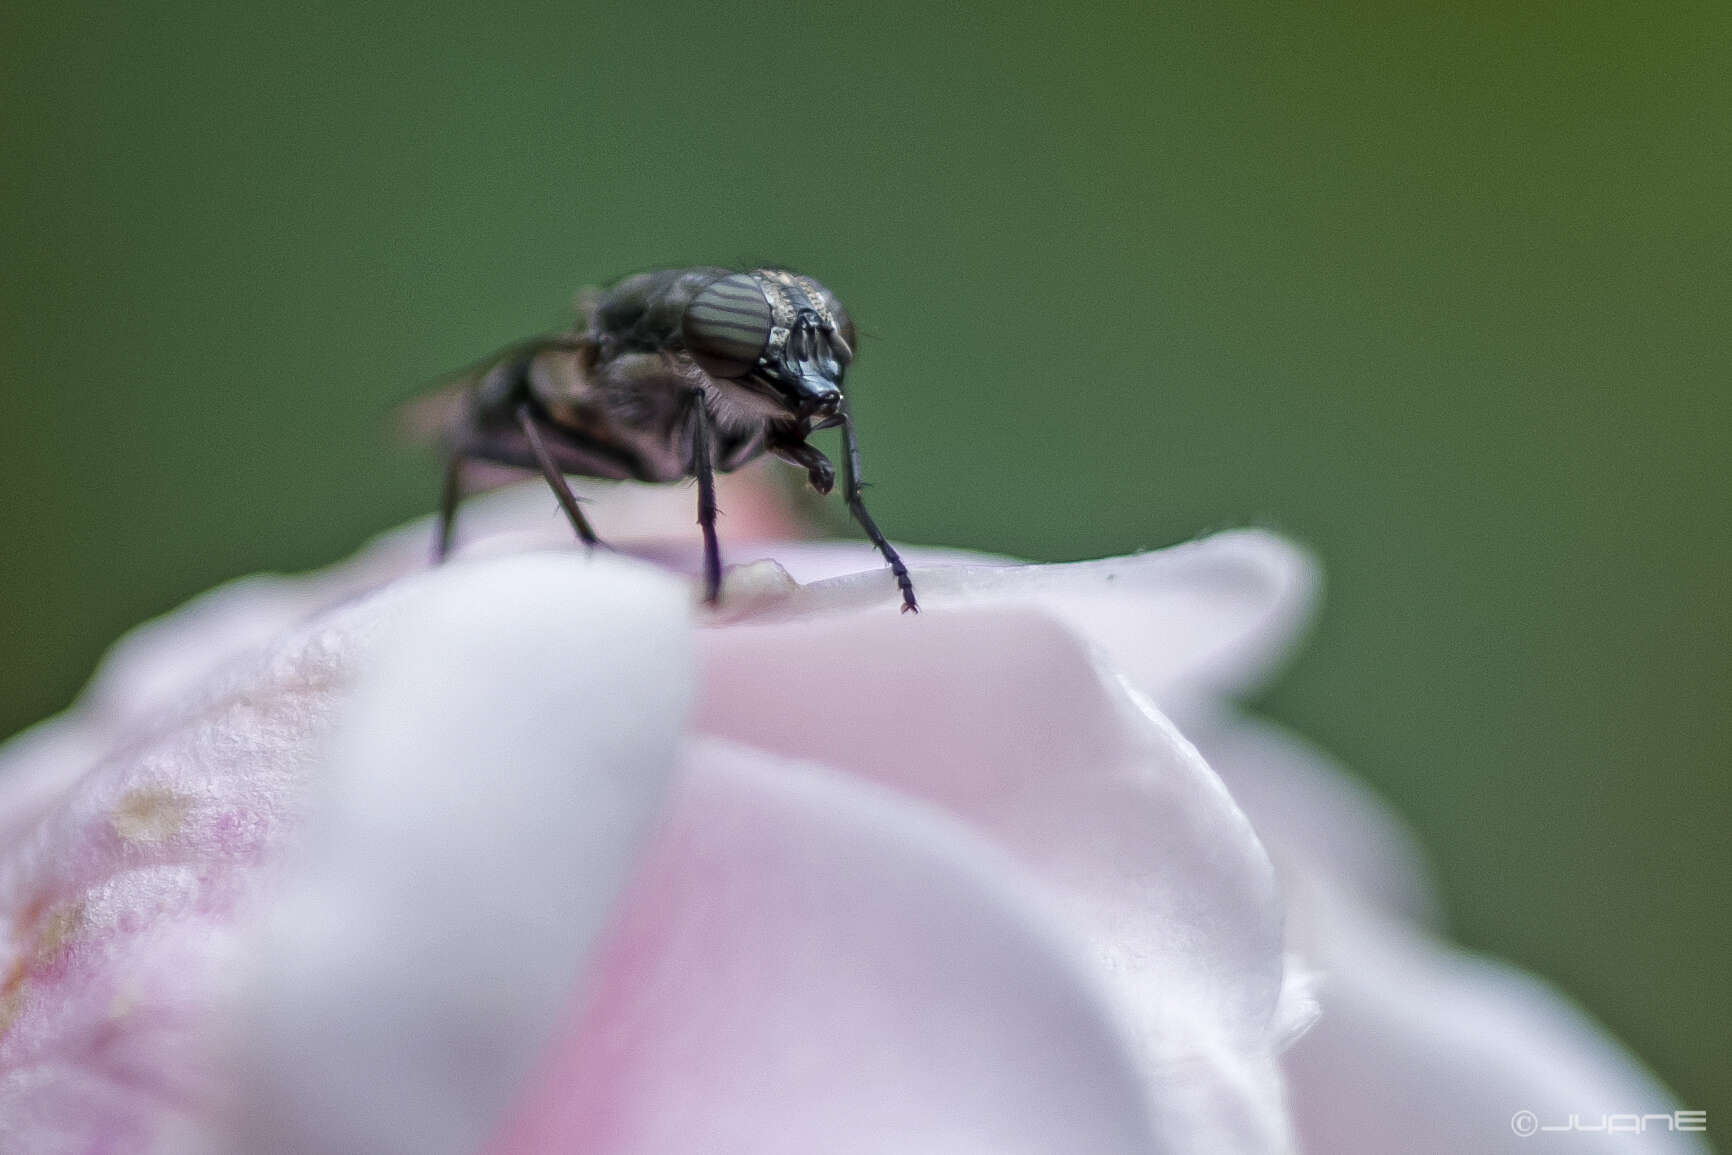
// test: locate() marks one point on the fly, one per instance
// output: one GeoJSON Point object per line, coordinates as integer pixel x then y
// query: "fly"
{"type": "Point", "coordinates": [667, 375]}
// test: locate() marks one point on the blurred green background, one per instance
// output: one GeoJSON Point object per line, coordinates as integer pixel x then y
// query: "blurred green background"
{"type": "Point", "coordinates": [1440, 291]}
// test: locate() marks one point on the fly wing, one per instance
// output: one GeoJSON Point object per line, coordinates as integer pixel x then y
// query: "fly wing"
{"type": "Point", "coordinates": [432, 417]}
{"type": "Point", "coordinates": [445, 407]}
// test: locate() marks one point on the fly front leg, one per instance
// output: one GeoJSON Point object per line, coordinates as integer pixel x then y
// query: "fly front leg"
{"type": "Point", "coordinates": [787, 443]}
{"type": "Point", "coordinates": [852, 485]}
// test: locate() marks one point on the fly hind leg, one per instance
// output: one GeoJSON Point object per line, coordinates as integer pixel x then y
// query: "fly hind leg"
{"type": "Point", "coordinates": [555, 478]}
{"type": "Point", "coordinates": [449, 497]}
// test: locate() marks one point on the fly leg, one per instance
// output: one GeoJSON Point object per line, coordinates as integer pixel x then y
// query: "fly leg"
{"type": "Point", "coordinates": [555, 479]}
{"type": "Point", "coordinates": [706, 475]}
{"type": "Point", "coordinates": [790, 447]}
{"type": "Point", "coordinates": [852, 486]}
{"type": "Point", "coordinates": [449, 496]}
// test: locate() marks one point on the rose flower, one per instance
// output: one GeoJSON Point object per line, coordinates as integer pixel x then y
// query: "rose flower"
{"type": "Point", "coordinates": [530, 853]}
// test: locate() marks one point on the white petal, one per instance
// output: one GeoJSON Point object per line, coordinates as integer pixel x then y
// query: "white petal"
{"type": "Point", "coordinates": [488, 795]}
{"type": "Point", "coordinates": [808, 965]}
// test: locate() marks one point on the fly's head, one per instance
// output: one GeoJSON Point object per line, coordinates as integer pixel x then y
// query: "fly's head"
{"type": "Point", "coordinates": [781, 339]}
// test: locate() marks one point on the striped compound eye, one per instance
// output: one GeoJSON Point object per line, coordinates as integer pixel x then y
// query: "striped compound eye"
{"type": "Point", "coordinates": [727, 326]}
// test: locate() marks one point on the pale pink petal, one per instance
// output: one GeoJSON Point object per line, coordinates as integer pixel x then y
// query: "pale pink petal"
{"type": "Point", "coordinates": [1428, 1050]}
{"type": "Point", "coordinates": [141, 821]}
{"type": "Point", "coordinates": [152, 665]}
{"type": "Point", "coordinates": [815, 561]}
{"type": "Point", "coordinates": [1198, 619]}
{"type": "Point", "coordinates": [1207, 617]}
{"type": "Point", "coordinates": [659, 523]}
{"type": "Point", "coordinates": [123, 880]}
{"type": "Point", "coordinates": [139, 680]}
{"type": "Point", "coordinates": [806, 964]}
{"type": "Point", "coordinates": [1421, 1047]}
{"type": "Point", "coordinates": [1201, 618]}
{"type": "Point", "coordinates": [488, 792]}
{"type": "Point", "coordinates": [1316, 820]}
{"type": "Point", "coordinates": [145, 675]}
{"type": "Point", "coordinates": [1001, 717]}
{"type": "Point", "coordinates": [39, 765]}
{"type": "Point", "coordinates": [755, 505]}
{"type": "Point", "coordinates": [148, 669]}
{"type": "Point", "coordinates": [807, 562]}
